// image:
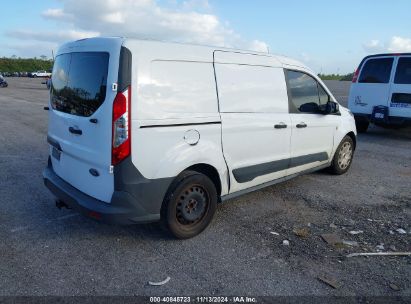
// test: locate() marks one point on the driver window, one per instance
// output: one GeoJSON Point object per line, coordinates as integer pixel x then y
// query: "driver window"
{"type": "Point", "coordinates": [304, 92]}
{"type": "Point", "coordinates": [324, 97]}
{"type": "Point", "coordinates": [306, 95]}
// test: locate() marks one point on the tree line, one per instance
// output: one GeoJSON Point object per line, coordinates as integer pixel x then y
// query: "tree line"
{"type": "Point", "coordinates": [347, 77]}
{"type": "Point", "coordinates": [15, 64]}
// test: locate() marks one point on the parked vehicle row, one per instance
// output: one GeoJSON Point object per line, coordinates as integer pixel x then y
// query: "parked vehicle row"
{"type": "Point", "coordinates": [15, 74]}
{"type": "Point", "coordinates": [143, 131]}
{"type": "Point", "coordinates": [34, 74]}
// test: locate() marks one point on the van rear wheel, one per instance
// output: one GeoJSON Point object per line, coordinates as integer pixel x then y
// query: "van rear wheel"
{"type": "Point", "coordinates": [343, 156]}
{"type": "Point", "coordinates": [189, 205]}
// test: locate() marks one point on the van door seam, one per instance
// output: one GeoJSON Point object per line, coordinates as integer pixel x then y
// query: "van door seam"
{"type": "Point", "coordinates": [221, 128]}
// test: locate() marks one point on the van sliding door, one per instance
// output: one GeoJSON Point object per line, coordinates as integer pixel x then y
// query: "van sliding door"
{"type": "Point", "coordinates": [400, 95]}
{"type": "Point", "coordinates": [255, 120]}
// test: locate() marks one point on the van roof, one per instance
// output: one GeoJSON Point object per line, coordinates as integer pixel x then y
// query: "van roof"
{"type": "Point", "coordinates": [387, 54]}
{"type": "Point", "coordinates": [381, 55]}
{"type": "Point", "coordinates": [282, 59]}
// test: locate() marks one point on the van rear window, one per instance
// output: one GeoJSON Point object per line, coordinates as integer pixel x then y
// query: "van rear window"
{"type": "Point", "coordinates": [377, 70]}
{"type": "Point", "coordinates": [79, 82]}
{"type": "Point", "coordinates": [403, 75]}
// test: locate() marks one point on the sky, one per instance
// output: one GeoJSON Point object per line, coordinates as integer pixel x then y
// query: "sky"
{"type": "Point", "coordinates": [328, 36]}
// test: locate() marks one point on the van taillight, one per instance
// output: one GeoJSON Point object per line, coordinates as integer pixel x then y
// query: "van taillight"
{"type": "Point", "coordinates": [355, 77]}
{"type": "Point", "coordinates": [121, 143]}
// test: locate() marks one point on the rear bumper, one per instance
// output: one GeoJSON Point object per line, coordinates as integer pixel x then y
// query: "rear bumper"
{"type": "Point", "coordinates": [391, 120]}
{"type": "Point", "coordinates": [123, 209]}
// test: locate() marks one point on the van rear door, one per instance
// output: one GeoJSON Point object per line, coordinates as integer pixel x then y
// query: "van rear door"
{"type": "Point", "coordinates": [400, 97]}
{"type": "Point", "coordinates": [80, 118]}
{"type": "Point", "coordinates": [373, 85]}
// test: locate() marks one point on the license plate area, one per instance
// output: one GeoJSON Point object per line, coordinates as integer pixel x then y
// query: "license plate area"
{"type": "Point", "coordinates": [380, 114]}
{"type": "Point", "coordinates": [55, 153]}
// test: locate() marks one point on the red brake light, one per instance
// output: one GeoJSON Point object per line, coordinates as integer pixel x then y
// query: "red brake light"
{"type": "Point", "coordinates": [356, 74]}
{"type": "Point", "coordinates": [121, 141]}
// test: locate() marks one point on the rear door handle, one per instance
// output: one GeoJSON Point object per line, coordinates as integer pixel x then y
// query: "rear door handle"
{"type": "Point", "coordinates": [75, 131]}
{"type": "Point", "coordinates": [302, 125]}
{"type": "Point", "coordinates": [281, 125]}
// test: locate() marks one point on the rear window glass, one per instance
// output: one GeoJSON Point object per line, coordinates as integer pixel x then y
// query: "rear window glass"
{"type": "Point", "coordinates": [403, 75]}
{"type": "Point", "coordinates": [79, 82]}
{"type": "Point", "coordinates": [377, 71]}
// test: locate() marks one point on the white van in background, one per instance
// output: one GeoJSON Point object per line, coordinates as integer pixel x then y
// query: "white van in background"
{"type": "Point", "coordinates": [381, 91]}
{"type": "Point", "coordinates": [43, 74]}
{"type": "Point", "coordinates": [141, 131]}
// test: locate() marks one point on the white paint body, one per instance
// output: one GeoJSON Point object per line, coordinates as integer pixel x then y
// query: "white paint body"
{"type": "Point", "coordinates": [196, 105]}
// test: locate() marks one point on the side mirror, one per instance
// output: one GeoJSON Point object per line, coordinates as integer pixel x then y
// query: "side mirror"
{"type": "Point", "coordinates": [310, 107]}
{"type": "Point", "coordinates": [331, 108]}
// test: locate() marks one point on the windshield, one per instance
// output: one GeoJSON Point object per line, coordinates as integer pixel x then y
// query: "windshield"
{"type": "Point", "coordinates": [79, 82]}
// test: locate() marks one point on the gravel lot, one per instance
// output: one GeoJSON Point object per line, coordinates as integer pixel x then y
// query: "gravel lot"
{"type": "Point", "coordinates": [46, 251]}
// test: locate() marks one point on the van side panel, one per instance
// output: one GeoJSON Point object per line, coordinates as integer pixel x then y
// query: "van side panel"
{"type": "Point", "coordinates": [400, 93]}
{"type": "Point", "coordinates": [179, 89]}
{"type": "Point", "coordinates": [175, 118]}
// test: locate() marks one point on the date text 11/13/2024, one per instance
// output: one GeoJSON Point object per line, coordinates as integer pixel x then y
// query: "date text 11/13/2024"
{"type": "Point", "coordinates": [203, 299]}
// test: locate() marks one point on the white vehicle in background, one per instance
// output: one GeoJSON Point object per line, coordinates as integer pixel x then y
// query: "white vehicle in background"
{"type": "Point", "coordinates": [142, 131]}
{"type": "Point", "coordinates": [381, 91]}
{"type": "Point", "coordinates": [40, 74]}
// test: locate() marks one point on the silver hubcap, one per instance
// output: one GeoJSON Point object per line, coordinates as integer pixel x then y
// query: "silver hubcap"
{"type": "Point", "coordinates": [345, 155]}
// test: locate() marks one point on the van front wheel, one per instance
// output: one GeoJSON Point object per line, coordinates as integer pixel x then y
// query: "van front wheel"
{"type": "Point", "coordinates": [343, 156]}
{"type": "Point", "coordinates": [189, 205]}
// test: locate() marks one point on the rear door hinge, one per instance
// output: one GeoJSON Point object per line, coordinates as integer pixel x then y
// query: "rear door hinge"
{"type": "Point", "coordinates": [111, 169]}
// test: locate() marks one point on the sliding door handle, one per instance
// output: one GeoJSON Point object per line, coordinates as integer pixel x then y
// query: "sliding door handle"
{"type": "Point", "coordinates": [75, 131]}
{"type": "Point", "coordinates": [301, 125]}
{"type": "Point", "coordinates": [281, 125]}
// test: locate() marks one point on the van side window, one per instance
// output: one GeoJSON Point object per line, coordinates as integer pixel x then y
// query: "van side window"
{"type": "Point", "coordinates": [306, 94]}
{"type": "Point", "coordinates": [377, 70]}
{"type": "Point", "coordinates": [403, 74]}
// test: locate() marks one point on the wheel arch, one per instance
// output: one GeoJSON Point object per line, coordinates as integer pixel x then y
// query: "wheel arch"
{"type": "Point", "coordinates": [209, 171]}
{"type": "Point", "coordinates": [353, 137]}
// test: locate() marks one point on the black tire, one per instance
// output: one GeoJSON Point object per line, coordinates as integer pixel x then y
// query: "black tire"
{"type": "Point", "coordinates": [343, 156]}
{"type": "Point", "coordinates": [362, 125]}
{"type": "Point", "coordinates": [189, 205]}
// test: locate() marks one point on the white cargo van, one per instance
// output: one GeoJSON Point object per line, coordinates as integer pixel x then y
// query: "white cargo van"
{"type": "Point", "coordinates": [141, 131]}
{"type": "Point", "coordinates": [381, 91]}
